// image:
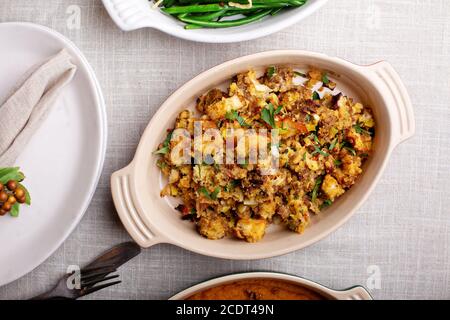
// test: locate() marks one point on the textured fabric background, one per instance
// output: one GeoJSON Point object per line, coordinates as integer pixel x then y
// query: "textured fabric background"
{"type": "Point", "coordinates": [404, 227]}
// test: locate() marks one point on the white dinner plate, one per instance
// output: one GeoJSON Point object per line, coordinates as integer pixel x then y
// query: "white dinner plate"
{"type": "Point", "coordinates": [64, 159]}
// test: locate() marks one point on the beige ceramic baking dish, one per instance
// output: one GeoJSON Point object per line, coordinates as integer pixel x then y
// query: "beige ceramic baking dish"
{"type": "Point", "coordinates": [151, 219]}
{"type": "Point", "coordinates": [354, 293]}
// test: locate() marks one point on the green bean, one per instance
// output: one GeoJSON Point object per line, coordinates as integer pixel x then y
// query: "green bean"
{"type": "Point", "coordinates": [194, 8]}
{"type": "Point", "coordinates": [294, 2]}
{"type": "Point", "coordinates": [192, 26]}
{"type": "Point", "coordinates": [209, 13]}
{"type": "Point", "coordinates": [210, 16]}
{"type": "Point", "coordinates": [168, 3]}
{"type": "Point", "coordinates": [218, 7]}
{"type": "Point", "coordinates": [228, 23]}
{"type": "Point", "coordinates": [276, 11]}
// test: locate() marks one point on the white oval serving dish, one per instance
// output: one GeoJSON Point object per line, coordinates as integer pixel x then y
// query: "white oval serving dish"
{"type": "Point", "coordinates": [151, 219]}
{"type": "Point", "coordinates": [354, 293]}
{"type": "Point", "coordinates": [136, 14]}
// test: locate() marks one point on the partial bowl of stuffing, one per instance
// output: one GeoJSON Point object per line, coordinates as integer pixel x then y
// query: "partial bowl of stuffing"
{"type": "Point", "coordinates": [263, 155]}
{"type": "Point", "coordinates": [211, 21]}
{"type": "Point", "coordinates": [267, 286]}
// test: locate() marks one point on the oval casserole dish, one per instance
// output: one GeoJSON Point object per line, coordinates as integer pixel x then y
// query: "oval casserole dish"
{"type": "Point", "coordinates": [151, 219]}
{"type": "Point", "coordinates": [353, 293]}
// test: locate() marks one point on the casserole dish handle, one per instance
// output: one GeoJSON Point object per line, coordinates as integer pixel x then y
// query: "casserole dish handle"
{"type": "Point", "coordinates": [354, 293]}
{"type": "Point", "coordinates": [398, 99]}
{"type": "Point", "coordinates": [122, 192]}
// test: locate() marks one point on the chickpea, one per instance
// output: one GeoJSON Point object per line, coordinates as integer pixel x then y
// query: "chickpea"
{"type": "Point", "coordinates": [2, 212]}
{"type": "Point", "coordinates": [7, 206]}
{"type": "Point", "coordinates": [12, 185]}
{"type": "Point", "coordinates": [3, 196]}
{"type": "Point", "coordinates": [19, 193]}
{"type": "Point", "coordinates": [12, 200]}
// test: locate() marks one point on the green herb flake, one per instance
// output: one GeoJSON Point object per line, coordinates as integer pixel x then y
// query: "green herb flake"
{"type": "Point", "coordinates": [161, 164]}
{"type": "Point", "coordinates": [234, 116]}
{"type": "Point", "coordinates": [326, 204]}
{"type": "Point", "coordinates": [351, 150]}
{"type": "Point", "coordinates": [337, 163]}
{"type": "Point", "coordinates": [205, 192]}
{"type": "Point", "coordinates": [278, 110]}
{"type": "Point", "coordinates": [231, 115]}
{"type": "Point", "coordinates": [361, 130]}
{"type": "Point", "coordinates": [315, 191]}
{"type": "Point", "coordinates": [333, 144]}
{"type": "Point", "coordinates": [165, 148]}
{"type": "Point", "coordinates": [319, 151]}
{"type": "Point", "coordinates": [271, 71]}
{"type": "Point", "coordinates": [364, 155]}
{"type": "Point", "coordinates": [215, 193]}
{"type": "Point", "coordinates": [325, 79]}
{"type": "Point", "coordinates": [267, 115]}
{"type": "Point", "coordinates": [316, 95]}
{"type": "Point", "coordinates": [300, 74]}
{"type": "Point", "coordinates": [308, 118]}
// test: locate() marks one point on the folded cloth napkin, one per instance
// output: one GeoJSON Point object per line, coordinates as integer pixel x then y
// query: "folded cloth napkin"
{"type": "Point", "coordinates": [30, 104]}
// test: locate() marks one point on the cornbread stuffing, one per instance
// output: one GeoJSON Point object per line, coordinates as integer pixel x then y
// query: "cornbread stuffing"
{"type": "Point", "coordinates": [324, 138]}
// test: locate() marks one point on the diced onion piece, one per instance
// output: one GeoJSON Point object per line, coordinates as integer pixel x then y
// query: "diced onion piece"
{"type": "Point", "coordinates": [240, 5]}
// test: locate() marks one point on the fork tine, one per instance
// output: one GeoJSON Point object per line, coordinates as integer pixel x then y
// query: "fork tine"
{"type": "Point", "coordinates": [91, 273]}
{"type": "Point", "coordinates": [97, 280]}
{"type": "Point", "coordinates": [100, 287]}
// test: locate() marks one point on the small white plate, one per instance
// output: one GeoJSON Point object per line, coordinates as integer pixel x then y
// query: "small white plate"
{"type": "Point", "coordinates": [64, 159]}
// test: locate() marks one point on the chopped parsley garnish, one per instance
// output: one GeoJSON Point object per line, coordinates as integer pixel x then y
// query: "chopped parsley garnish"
{"type": "Point", "coordinates": [346, 145]}
{"type": "Point", "coordinates": [351, 150]}
{"type": "Point", "coordinates": [233, 184]}
{"type": "Point", "coordinates": [319, 151]}
{"type": "Point", "coordinates": [364, 155]}
{"type": "Point", "coordinates": [165, 148]}
{"type": "Point", "coordinates": [215, 193]}
{"type": "Point", "coordinates": [314, 137]}
{"type": "Point", "coordinates": [271, 71]}
{"type": "Point", "coordinates": [308, 118]}
{"type": "Point", "coordinates": [161, 164]}
{"type": "Point", "coordinates": [337, 163]}
{"type": "Point", "coordinates": [234, 115]}
{"type": "Point", "coordinates": [361, 130]}
{"type": "Point", "coordinates": [212, 196]}
{"type": "Point", "coordinates": [316, 95]}
{"type": "Point", "coordinates": [333, 144]}
{"type": "Point", "coordinates": [315, 191]}
{"type": "Point", "coordinates": [325, 79]}
{"type": "Point", "coordinates": [300, 74]}
{"type": "Point", "coordinates": [268, 114]}
{"type": "Point", "coordinates": [326, 204]}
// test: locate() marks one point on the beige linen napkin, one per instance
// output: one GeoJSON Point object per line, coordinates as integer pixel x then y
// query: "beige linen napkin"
{"type": "Point", "coordinates": [30, 104]}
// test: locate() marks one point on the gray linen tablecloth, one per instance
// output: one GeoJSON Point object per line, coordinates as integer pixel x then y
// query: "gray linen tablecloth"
{"type": "Point", "coordinates": [401, 236]}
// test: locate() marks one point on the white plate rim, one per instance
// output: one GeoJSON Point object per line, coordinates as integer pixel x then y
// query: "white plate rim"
{"type": "Point", "coordinates": [101, 110]}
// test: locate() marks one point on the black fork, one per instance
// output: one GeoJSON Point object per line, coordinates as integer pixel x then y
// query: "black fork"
{"type": "Point", "coordinates": [95, 276]}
